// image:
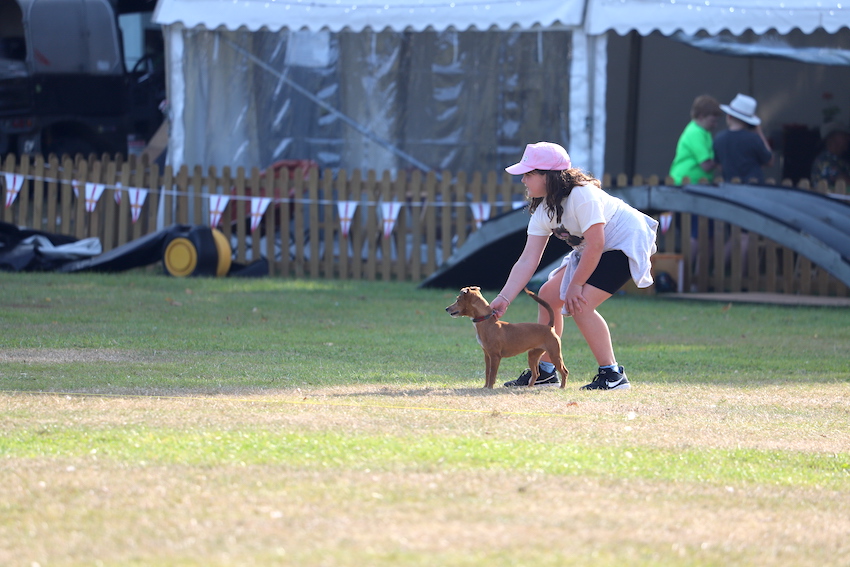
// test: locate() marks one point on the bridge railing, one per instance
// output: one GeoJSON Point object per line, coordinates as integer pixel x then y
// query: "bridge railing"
{"type": "Point", "coordinates": [358, 225]}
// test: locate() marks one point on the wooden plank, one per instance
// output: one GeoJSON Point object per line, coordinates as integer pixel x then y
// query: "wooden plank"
{"type": "Point", "coordinates": [688, 251]}
{"type": "Point", "coordinates": [718, 254]}
{"type": "Point", "coordinates": [94, 218]}
{"type": "Point", "coordinates": [330, 234]}
{"type": "Point", "coordinates": [225, 187]}
{"type": "Point", "coordinates": [9, 166]}
{"type": "Point", "coordinates": [387, 240]}
{"type": "Point", "coordinates": [23, 200]}
{"type": "Point", "coordinates": [67, 199]}
{"type": "Point", "coordinates": [299, 224]}
{"type": "Point", "coordinates": [125, 210]}
{"type": "Point", "coordinates": [313, 205]}
{"type": "Point", "coordinates": [446, 213]}
{"type": "Point", "coordinates": [703, 254]}
{"type": "Point", "coordinates": [281, 189]}
{"type": "Point", "coordinates": [276, 209]}
{"type": "Point", "coordinates": [38, 190]}
{"type": "Point", "coordinates": [241, 219]}
{"type": "Point", "coordinates": [430, 212]}
{"type": "Point", "coordinates": [255, 189]}
{"type": "Point", "coordinates": [771, 252]}
{"type": "Point", "coordinates": [52, 172]}
{"type": "Point", "coordinates": [80, 215]}
{"type": "Point", "coordinates": [417, 231]}
{"type": "Point", "coordinates": [358, 225]}
{"type": "Point", "coordinates": [737, 267]}
{"type": "Point", "coordinates": [197, 194]}
{"type": "Point", "coordinates": [373, 231]}
{"type": "Point", "coordinates": [459, 211]}
{"type": "Point", "coordinates": [182, 198]}
{"type": "Point", "coordinates": [111, 207]}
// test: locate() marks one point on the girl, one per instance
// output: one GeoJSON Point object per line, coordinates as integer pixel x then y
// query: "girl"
{"type": "Point", "coordinates": [612, 242]}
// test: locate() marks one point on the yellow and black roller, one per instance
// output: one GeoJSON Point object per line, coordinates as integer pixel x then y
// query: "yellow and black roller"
{"type": "Point", "coordinates": [199, 252]}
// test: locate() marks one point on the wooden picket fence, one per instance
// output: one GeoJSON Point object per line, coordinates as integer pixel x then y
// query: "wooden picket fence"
{"type": "Point", "coordinates": [303, 234]}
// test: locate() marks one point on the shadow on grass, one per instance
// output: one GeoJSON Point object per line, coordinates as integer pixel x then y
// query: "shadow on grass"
{"type": "Point", "coordinates": [446, 392]}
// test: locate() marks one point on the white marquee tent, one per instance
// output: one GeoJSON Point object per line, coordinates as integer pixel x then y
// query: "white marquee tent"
{"type": "Point", "coordinates": [432, 84]}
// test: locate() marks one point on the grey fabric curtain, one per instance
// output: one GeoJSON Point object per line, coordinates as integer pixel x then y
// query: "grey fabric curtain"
{"type": "Point", "coordinates": [462, 101]}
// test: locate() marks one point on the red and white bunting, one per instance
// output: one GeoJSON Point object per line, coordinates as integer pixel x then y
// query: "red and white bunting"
{"type": "Point", "coordinates": [217, 205]}
{"type": "Point", "coordinates": [480, 212]}
{"type": "Point", "coordinates": [666, 219]}
{"type": "Point", "coordinates": [389, 212]}
{"type": "Point", "coordinates": [93, 193]}
{"type": "Point", "coordinates": [258, 209]}
{"type": "Point", "coordinates": [14, 182]}
{"type": "Point", "coordinates": [75, 185]}
{"type": "Point", "coordinates": [118, 190]}
{"type": "Point", "coordinates": [346, 213]}
{"type": "Point", "coordinates": [137, 199]}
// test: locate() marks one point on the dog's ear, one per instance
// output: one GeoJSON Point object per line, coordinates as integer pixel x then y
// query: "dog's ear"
{"type": "Point", "coordinates": [474, 288]}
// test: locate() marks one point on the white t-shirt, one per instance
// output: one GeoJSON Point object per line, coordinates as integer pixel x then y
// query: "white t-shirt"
{"type": "Point", "coordinates": [626, 229]}
{"type": "Point", "coordinates": [586, 206]}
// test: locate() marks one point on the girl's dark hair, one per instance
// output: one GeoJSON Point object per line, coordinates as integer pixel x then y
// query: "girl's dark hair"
{"type": "Point", "coordinates": [559, 184]}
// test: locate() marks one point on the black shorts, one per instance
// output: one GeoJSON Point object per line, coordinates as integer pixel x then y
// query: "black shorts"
{"type": "Point", "coordinates": [612, 273]}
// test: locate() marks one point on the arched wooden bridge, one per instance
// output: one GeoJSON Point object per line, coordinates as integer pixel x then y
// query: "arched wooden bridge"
{"type": "Point", "coordinates": [814, 225]}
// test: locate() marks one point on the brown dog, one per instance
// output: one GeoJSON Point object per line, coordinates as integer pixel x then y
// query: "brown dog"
{"type": "Point", "coordinates": [500, 339]}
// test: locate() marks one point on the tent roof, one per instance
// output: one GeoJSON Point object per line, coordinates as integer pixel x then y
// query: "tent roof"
{"type": "Point", "coordinates": [596, 16]}
{"type": "Point", "coordinates": [356, 15]}
{"type": "Point", "coordinates": [736, 16]}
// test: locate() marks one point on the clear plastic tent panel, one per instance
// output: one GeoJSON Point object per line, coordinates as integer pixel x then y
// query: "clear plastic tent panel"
{"type": "Point", "coordinates": [397, 101]}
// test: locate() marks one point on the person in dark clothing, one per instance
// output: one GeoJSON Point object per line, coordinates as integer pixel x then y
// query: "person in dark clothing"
{"type": "Point", "coordinates": [742, 150]}
{"type": "Point", "coordinates": [831, 164]}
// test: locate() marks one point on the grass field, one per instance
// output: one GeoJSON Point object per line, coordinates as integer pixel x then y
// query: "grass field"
{"type": "Point", "coordinates": [149, 420]}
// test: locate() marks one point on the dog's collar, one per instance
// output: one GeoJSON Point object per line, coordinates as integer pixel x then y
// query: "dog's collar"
{"type": "Point", "coordinates": [482, 318]}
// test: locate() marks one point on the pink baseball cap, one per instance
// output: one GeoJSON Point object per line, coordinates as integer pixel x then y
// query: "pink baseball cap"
{"type": "Point", "coordinates": [542, 155]}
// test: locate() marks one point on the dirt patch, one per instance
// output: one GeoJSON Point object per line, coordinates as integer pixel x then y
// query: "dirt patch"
{"type": "Point", "coordinates": [68, 355]}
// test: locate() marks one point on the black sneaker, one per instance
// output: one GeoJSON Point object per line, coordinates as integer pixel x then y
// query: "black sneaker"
{"type": "Point", "coordinates": [608, 379]}
{"type": "Point", "coordinates": [545, 379]}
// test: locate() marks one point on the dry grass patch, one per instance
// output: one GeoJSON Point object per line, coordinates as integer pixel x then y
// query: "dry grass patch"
{"type": "Point", "coordinates": [211, 482]}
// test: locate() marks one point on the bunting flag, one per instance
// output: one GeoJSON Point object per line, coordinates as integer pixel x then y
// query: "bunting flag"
{"type": "Point", "coordinates": [519, 204]}
{"type": "Point", "coordinates": [258, 209]}
{"type": "Point", "coordinates": [217, 205]}
{"type": "Point", "coordinates": [118, 190]}
{"type": "Point", "coordinates": [137, 199]}
{"type": "Point", "coordinates": [665, 220]}
{"type": "Point", "coordinates": [76, 186]}
{"type": "Point", "coordinates": [93, 193]}
{"type": "Point", "coordinates": [389, 212]}
{"type": "Point", "coordinates": [14, 182]}
{"type": "Point", "coordinates": [480, 212]}
{"type": "Point", "coordinates": [346, 213]}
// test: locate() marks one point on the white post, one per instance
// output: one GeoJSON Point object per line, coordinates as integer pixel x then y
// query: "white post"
{"type": "Point", "coordinates": [588, 80]}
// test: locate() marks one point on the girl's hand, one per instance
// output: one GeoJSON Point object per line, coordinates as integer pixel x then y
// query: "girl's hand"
{"type": "Point", "coordinates": [499, 306]}
{"type": "Point", "coordinates": [574, 298]}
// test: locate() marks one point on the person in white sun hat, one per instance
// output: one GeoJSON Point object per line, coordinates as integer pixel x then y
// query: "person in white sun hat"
{"type": "Point", "coordinates": [612, 243]}
{"type": "Point", "coordinates": [742, 150]}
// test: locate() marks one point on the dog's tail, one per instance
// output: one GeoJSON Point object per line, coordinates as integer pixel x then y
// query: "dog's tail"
{"type": "Point", "coordinates": [542, 302]}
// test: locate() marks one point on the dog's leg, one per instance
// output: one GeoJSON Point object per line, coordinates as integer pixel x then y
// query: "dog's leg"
{"type": "Point", "coordinates": [564, 373]}
{"type": "Point", "coordinates": [534, 356]}
{"type": "Point", "coordinates": [557, 359]}
{"type": "Point", "coordinates": [492, 369]}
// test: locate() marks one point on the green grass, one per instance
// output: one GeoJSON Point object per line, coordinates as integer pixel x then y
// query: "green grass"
{"type": "Point", "coordinates": [148, 420]}
{"type": "Point", "coordinates": [273, 332]}
{"type": "Point", "coordinates": [426, 452]}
